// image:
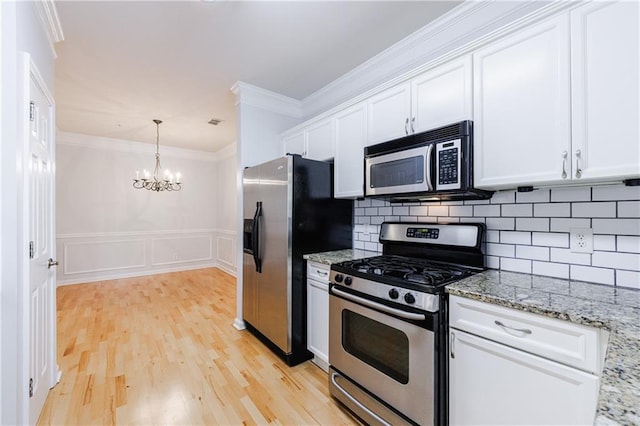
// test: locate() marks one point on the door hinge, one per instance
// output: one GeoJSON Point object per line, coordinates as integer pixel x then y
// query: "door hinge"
{"type": "Point", "coordinates": [32, 111]}
{"type": "Point", "coordinates": [31, 251]}
{"type": "Point", "coordinates": [31, 388]}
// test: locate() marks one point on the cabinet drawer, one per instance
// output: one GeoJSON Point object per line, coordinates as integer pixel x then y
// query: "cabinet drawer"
{"type": "Point", "coordinates": [571, 344]}
{"type": "Point", "coordinates": [318, 271]}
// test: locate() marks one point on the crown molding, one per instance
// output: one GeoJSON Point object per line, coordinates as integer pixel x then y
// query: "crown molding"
{"type": "Point", "coordinates": [48, 14]}
{"type": "Point", "coordinates": [227, 152]}
{"type": "Point", "coordinates": [453, 32]}
{"type": "Point", "coordinates": [131, 147]}
{"type": "Point", "coordinates": [248, 94]}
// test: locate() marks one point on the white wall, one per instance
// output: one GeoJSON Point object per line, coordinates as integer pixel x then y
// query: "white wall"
{"type": "Point", "coordinates": [529, 232]}
{"type": "Point", "coordinates": [227, 208]}
{"type": "Point", "coordinates": [107, 229]}
{"type": "Point", "coordinates": [21, 33]}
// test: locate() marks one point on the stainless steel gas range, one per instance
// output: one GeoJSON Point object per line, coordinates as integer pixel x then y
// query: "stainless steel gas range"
{"type": "Point", "coordinates": [388, 322]}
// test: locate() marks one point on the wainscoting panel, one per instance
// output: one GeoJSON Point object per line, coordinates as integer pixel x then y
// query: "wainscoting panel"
{"type": "Point", "coordinates": [102, 256]}
{"type": "Point", "coordinates": [226, 249]}
{"type": "Point", "coordinates": [179, 249]}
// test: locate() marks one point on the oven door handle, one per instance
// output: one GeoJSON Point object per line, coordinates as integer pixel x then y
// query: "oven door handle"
{"type": "Point", "coordinates": [355, 401]}
{"type": "Point", "coordinates": [378, 306]}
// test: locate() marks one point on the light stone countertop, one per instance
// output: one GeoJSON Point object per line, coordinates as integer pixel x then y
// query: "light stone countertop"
{"type": "Point", "coordinates": [329, 257]}
{"type": "Point", "coordinates": [616, 309]}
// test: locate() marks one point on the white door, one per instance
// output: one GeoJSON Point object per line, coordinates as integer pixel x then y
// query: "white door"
{"type": "Point", "coordinates": [40, 170]}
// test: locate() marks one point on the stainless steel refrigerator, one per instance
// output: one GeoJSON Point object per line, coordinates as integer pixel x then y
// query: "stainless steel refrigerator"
{"type": "Point", "coordinates": [288, 211]}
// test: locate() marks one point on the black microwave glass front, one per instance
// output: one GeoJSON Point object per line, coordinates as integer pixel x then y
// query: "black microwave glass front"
{"type": "Point", "coordinates": [408, 170]}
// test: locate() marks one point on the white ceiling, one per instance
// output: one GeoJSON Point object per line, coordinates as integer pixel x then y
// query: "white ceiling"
{"type": "Point", "coordinates": [122, 64]}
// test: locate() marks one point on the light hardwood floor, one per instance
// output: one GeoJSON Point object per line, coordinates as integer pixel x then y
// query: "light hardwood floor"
{"type": "Point", "coordinates": [161, 349]}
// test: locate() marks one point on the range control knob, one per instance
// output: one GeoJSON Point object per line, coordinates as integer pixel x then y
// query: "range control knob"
{"type": "Point", "coordinates": [393, 293]}
{"type": "Point", "coordinates": [348, 280]}
{"type": "Point", "coordinates": [409, 298]}
{"type": "Point", "coordinates": [338, 278]}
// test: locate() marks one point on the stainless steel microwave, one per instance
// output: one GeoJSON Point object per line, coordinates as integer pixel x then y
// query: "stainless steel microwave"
{"type": "Point", "coordinates": [432, 165]}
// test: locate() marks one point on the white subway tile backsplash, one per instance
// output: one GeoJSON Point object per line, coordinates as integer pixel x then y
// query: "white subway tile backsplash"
{"type": "Point", "coordinates": [419, 211]}
{"type": "Point", "coordinates": [615, 193]}
{"type": "Point", "coordinates": [502, 250]}
{"type": "Point", "coordinates": [461, 211]}
{"type": "Point", "coordinates": [486, 211]}
{"type": "Point", "coordinates": [438, 210]}
{"type": "Point", "coordinates": [492, 236]}
{"type": "Point", "coordinates": [563, 225]}
{"type": "Point", "coordinates": [616, 226]}
{"type": "Point", "coordinates": [529, 232]}
{"type": "Point", "coordinates": [627, 261]}
{"type": "Point", "coordinates": [500, 223]}
{"type": "Point", "coordinates": [401, 210]}
{"type": "Point", "coordinates": [558, 270]}
{"type": "Point", "coordinates": [515, 237]}
{"type": "Point", "coordinates": [604, 242]}
{"type": "Point", "coordinates": [571, 194]}
{"type": "Point", "coordinates": [588, 273]}
{"type": "Point", "coordinates": [517, 210]}
{"type": "Point", "coordinates": [628, 279]}
{"type": "Point", "coordinates": [532, 252]}
{"type": "Point", "coordinates": [594, 209]}
{"type": "Point", "coordinates": [629, 209]}
{"type": "Point", "coordinates": [552, 210]}
{"type": "Point", "coordinates": [550, 239]}
{"type": "Point", "coordinates": [535, 196]}
{"type": "Point", "coordinates": [628, 244]}
{"type": "Point", "coordinates": [503, 197]}
{"type": "Point", "coordinates": [515, 265]}
{"type": "Point", "coordinates": [565, 256]}
{"type": "Point", "coordinates": [532, 224]}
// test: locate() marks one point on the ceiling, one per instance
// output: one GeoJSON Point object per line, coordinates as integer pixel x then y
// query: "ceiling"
{"type": "Point", "coordinates": [123, 64]}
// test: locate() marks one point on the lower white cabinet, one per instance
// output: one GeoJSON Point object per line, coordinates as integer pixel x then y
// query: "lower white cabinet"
{"type": "Point", "coordinates": [318, 313]}
{"type": "Point", "coordinates": [494, 383]}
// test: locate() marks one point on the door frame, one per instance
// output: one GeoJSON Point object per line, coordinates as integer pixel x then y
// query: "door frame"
{"type": "Point", "coordinates": [26, 73]}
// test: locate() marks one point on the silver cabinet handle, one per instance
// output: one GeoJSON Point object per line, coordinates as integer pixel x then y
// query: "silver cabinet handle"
{"type": "Point", "coordinates": [413, 121]}
{"type": "Point", "coordinates": [406, 128]}
{"type": "Point", "coordinates": [519, 330]}
{"type": "Point", "coordinates": [51, 263]}
{"type": "Point", "coordinates": [452, 339]}
{"type": "Point", "coordinates": [578, 169]}
{"type": "Point", "coordinates": [355, 401]}
{"type": "Point", "coordinates": [564, 164]}
{"type": "Point", "coordinates": [321, 273]}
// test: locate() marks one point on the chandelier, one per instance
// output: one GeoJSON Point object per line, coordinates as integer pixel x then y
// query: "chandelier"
{"type": "Point", "coordinates": [163, 183]}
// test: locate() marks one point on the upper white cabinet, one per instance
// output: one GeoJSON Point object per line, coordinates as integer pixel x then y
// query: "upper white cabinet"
{"type": "Point", "coordinates": [351, 135]}
{"type": "Point", "coordinates": [605, 50]}
{"type": "Point", "coordinates": [435, 98]}
{"type": "Point", "coordinates": [552, 109]}
{"type": "Point", "coordinates": [315, 142]}
{"type": "Point", "coordinates": [522, 127]}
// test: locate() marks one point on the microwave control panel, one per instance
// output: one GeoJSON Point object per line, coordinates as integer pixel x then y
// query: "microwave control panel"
{"type": "Point", "coordinates": [448, 159]}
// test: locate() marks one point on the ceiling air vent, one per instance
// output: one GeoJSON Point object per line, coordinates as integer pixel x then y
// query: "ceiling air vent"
{"type": "Point", "coordinates": [214, 121]}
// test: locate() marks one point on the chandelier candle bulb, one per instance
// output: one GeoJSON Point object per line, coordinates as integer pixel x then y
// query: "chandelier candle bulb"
{"type": "Point", "coordinates": [137, 174]}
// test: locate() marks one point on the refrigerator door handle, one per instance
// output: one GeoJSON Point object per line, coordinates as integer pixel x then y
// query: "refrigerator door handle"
{"type": "Point", "coordinates": [255, 237]}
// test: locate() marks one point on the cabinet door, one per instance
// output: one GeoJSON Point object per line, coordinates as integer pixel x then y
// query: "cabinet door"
{"type": "Point", "coordinates": [605, 88]}
{"type": "Point", "coordinates": [389, 114]}
{"type": "Point", "coordinates": [442, 96]}
{"type": "Point", "coordinates": [320, 141]}
{"type": "Point", "coordinates": [351, 134]}
{"type": "Point", "coordinates": [295, 144]}
{"type": "Point", "coordinates": [318, 322]}
{"type": "Point", "coordinates": [522, 108]}
{"type": "Point", "coordinates": [493, 384]}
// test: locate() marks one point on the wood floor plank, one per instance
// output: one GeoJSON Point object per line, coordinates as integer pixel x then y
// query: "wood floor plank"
{"type": "Point", "coordinates": [161, 349]}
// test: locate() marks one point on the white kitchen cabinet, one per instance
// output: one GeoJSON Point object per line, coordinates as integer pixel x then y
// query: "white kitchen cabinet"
{"type": "Point", "coordinates": [605, 50]}
{"type": "Point", "coordinates": [350, 136]}
{"type": "Point", "coordinates": [522, 118]}
{"type": "Point", "coordinates": [508, 367]}
{"type": "Point", "coordinates": [318, 313]}
{"type": "Point", "coordinates": [315, 142]}
{"type": "Point", "coordinates": [438, 97]}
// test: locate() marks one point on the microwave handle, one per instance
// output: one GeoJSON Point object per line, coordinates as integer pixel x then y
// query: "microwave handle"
{"type": "Point", "coordinates": [428, 165]}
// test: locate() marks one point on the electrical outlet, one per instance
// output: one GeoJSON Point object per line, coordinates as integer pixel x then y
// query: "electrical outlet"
{"type": "Point", "coordinates": [581, 240]}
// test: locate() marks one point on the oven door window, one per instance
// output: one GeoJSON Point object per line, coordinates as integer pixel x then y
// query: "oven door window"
{"type": "Point", "coordinates": [383, 347]}
{"type": "Point", "coordinates": [406, 171]}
